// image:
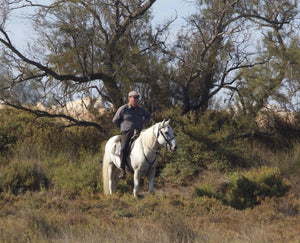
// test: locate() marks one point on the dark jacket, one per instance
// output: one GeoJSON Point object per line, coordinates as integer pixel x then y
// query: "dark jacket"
{"type": "Point", "coordinates": [128, 118]}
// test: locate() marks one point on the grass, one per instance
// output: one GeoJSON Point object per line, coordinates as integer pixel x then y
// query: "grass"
{"type": "Point", "coordinates": [51, 190]}
{"type": "Point", "coordinates": [48, 217]}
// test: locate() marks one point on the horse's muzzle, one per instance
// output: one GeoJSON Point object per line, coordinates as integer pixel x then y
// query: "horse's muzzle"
{"type": "Point", "coordinates": [173, 147]}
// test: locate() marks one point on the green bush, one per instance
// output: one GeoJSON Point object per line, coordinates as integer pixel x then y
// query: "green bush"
{"type": "Point", "coordinates": [185, 164]}
{"type": "Point", "coordinates": [247, 189]}
{"type": "Point", "coordinates": [19, 177]}
{"type": "Point", "coordinates": [78, 179]}
{"type": "Point", "coordinates": [201, 146]}
{"type": "Point", "coordinates": [206, 190]}
{"type": "Point", "coordinates": [250, 188]}
{"type": "Point", "coordinates": [21, 127]}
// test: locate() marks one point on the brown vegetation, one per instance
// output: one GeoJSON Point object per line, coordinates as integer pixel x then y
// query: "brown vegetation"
{"type": "Point", "coordinates": [239, 191]}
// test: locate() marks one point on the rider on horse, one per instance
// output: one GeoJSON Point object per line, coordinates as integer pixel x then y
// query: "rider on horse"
{"type": "Point", "coordinates": [129, 118]}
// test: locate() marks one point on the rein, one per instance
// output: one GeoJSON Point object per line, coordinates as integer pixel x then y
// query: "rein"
{"type": "Point", "coordinates": [156, 152]}
{"type": "Point", "coordinates": [168, 141]}
{"type": "Point", "coordinates": [150, 162]}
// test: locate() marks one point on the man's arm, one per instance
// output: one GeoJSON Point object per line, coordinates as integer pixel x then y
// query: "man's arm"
{"type": "Point", "coordinates": [117, 117]}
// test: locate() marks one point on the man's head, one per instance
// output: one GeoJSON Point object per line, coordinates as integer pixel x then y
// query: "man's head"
{"type": "Point", "coordinates": [133, 98]}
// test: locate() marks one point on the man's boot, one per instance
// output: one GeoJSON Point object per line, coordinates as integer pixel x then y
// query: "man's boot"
{"type": "Point", "coordinates": [122, 174]}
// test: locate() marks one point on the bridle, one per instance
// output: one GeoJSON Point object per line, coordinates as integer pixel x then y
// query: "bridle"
{"type": "Point", "coordinates": [163, 135]}
{"type": "Point", "coordinates": [168, 142]}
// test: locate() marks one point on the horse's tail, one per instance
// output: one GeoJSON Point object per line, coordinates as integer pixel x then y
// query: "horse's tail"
{"type": "Point", "coordinates": [105, 175]}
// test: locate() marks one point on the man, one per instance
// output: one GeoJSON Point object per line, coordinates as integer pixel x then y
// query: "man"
{"type": "Point", "coordinates": [128, 118]}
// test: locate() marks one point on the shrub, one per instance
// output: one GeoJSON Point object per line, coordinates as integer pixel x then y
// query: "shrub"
{"type": "Point", "coordinates": [78, 179]}
{"type": "Point", "coordinates": [22, 176]}
{"type": "Point", "coordinates": [185, 164]}
{"type": "Point", "coordinates": [247, 189]}
{"type": "Point", "coordinates": [17, 126]}
{"type": "Point", "coordinates": [206, 190]}
{"type": "Point", "coordinates": [200, 147]}
{"type": "Point", "coordinates": [209, 142]}
{"type": "Point", "coordinates": [250, 188]}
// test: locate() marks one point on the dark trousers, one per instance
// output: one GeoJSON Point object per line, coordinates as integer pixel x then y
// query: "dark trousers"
{"type": "Point", "coordinates": [125, 139]}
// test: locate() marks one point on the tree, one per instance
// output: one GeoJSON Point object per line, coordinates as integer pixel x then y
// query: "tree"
{"type": "Point", "coordinates": [278, 79]}
{"type": "Point", "coordinates": [84, 47]}
{"type": "Point", "coordinates": [217, 49]}
{"type": "Point", "coordinates": [208, 54]}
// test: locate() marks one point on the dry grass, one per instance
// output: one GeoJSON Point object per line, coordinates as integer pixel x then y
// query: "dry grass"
{"type": "Point", "coordinates": [165, 217]}
{"type": "Point", "coordinates": [173, 214]}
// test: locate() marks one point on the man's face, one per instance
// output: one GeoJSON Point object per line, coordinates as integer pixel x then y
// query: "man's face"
{"type": "Point", "coordinates": [133, 100]}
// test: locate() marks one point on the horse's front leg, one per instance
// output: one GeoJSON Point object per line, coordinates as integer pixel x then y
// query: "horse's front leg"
{"type": "Point", "coordinates": [137, 176]}
{"type": "Point", "coordinates": [151, 176]}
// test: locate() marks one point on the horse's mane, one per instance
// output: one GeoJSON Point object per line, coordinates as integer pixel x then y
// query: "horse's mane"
{"type": "Point", "coordinates": [148, 136]}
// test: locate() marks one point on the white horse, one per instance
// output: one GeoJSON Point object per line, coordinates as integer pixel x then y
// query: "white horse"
{"type": "Point", "coordinates": [142, 159]}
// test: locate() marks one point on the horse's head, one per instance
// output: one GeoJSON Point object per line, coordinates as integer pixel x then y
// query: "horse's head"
{"type": "Point", "coordinates": [165, 135]}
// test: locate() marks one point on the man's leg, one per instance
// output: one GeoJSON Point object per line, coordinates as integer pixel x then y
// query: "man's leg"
{"type": "Point", "coordinates": [124, 147]}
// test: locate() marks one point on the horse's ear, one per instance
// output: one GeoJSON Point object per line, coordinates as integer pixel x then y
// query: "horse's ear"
{"type": "Point", "coordinates": [168, 122]}
{"type": "Point", "coordinates": [161, 124]}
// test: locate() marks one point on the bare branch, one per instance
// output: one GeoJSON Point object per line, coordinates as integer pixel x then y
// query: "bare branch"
{"type": "Point", "coordinates": [135, 15]}
{"type": "Point", "coordinates": [40, 113]}
{"type": "Point", "coordinates": [47, 70]}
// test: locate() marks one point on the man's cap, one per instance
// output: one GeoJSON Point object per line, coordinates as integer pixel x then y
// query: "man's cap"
{"type": "Point", "coordinates": [133, 93]}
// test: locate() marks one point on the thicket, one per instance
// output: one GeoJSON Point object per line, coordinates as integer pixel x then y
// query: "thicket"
{"type": "Point", "coordinates": [42, 154]}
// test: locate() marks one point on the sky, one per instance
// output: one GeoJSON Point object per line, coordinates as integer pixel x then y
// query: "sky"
{"type": "Point", "coordinates": [163, 10]}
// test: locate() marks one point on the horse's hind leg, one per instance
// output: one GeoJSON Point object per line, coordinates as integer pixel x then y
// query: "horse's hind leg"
{"type": "Point", "coordinates": [113, 178]}
{"type": "Point", "coordinates": [110, 179]}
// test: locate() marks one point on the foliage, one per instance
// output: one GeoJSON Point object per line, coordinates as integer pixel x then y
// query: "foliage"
{"type": "Point", "coordinates": [249, 188]}
{"type": "Point", "coordinates": [181, 168]}
{"type": "Point", "coordinates": [214, 142]}
{"type": "Point", "coordinates": [18, 126]}
{"type": "Point", "coordinates": [43, 155]}
{"type": "Point", "coordinates": [206, 190]}
{"type": "Point", "coordinates": [102, 48]}
{"type": "Point", "coordinates": [73, 180]}
{"type": "Point", "coordinates": [20, 177]}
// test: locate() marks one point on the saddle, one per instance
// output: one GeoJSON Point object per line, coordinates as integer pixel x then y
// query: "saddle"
{"type": "Point", "coordinates": [136, 134]}
{"type": "Point", "coordinates": [117, 149]}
